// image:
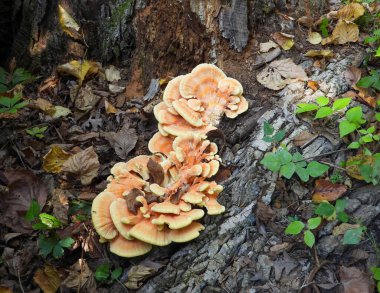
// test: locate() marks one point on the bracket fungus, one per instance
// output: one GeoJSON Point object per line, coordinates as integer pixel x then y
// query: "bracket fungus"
{"type": "Point", "coordinates": [158, 199]}
{"type": "Point", "coordinates": [195, 103]}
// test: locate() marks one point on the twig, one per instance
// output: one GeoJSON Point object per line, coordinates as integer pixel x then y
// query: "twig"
{"type": "Point", "coordinates": [322, 155]}
{"type": "Point", "coordinates": [19, 281]}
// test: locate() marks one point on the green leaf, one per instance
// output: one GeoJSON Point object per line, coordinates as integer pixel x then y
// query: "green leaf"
{"type": "Point", "coordinates": [343, 217]}
{"type": "Point", "coordinates": [309, 238]}
{"type": "Point", "coordinates": [302, 173]}
{"type": "Point", "coordinates": [340, 104]}
{"type": "Point", "coordinates": [366, 171]}
{"type": "Point", "coordinates": [377, 54]}
{"type": "Point", "coordinates": [66, 242]}
{"type": "Point", "coordinates": [294, 228]}
{"type": "Point", "coordinates": [302, 108]}
{"type": "Point", "coordinates": [355, 114]}
{"type": "Point", "coordinates": [340, 205]}
{"type": "Point", "coordinates": [33, 211]}
{"type": "Point", "coordinates": [46, 245]}
{"type": "Point", "coordinates": [323, 112]}
{"type": "Point", "coordinates": [288, 170]}
{"type": "Point", "coordinates": [371, 130]}
{"type": "Point", "coordinates": [367, 138]}
{"type": "Point", "coordinates": [366, 82]}
{"type": "Point", "coordinates": [313, 223]}
{"type": "Point", "coordinates": [376, 273]}
{"type": "Point", "coordinates": [322, 101]}
{"type": "Point", "coordinates": [279, 135]}
{"type": "Point", "coordinates": [102, 272]}
{"type": "Point", "coordinates": [6, 102]}
{"type": "Point", "coordinates": [58, 251]}
{"type": "Point", "coordinates": [268, 139]}
{"type": "Point", "coordinates": [116, 273]}
{"type": "Point", "coordinates": [346, 127]}
{"type": "Point", "coordinates": [20, 75]}
{"type": "Point", "coordinates": [325, 209]}
{"type": "Point", "coordinates": [354, 145]}
{"type": "Point", "coordinates": [316, 169]}
{"type": "Point", "coordinates": [39, 226]}
{"type": "Point", "coordinates": [271, 162]}
{"type": "Point", "coordinates": [268, 128]}
{"type": "Point", "coordinates": [377, 117]}
{"type": "Point", "coordinates": [50, 221]}
{"type": "Point", "coordinates": [353, 236]}
{"type": "Point", "coordinates": [324, 27]}
{"type": "Point", "coordinates": [284, 156]}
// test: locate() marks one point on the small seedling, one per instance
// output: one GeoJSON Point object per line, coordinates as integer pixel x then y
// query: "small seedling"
{"type": "Point", "coordinates": [371, 172]}
{"type": "Point", "coordinates": [9, 80]}
{"type": "Point", "coordinates": [370, 81]}
{"type": "Point", "coordinates": [44, 222]}
{"type": "Point", "coordinates": [296, 227]}
{"type": "Point", "coordinates": [37, 132]}
{"type": "Point", "coordinates": [354, 120]}
{"type": "Point", "coordinates": [80, 211]}
{"type": "Point", "coordinates": [323, 27]}
{"type": "Point", "coordinates": [104, 273]}
{"type": "Point", "coordinates": [322, 107]}
{"type": "Point", "coordinates": [11, 105]}
{"type": "Point", "coordinates": [287, 164]}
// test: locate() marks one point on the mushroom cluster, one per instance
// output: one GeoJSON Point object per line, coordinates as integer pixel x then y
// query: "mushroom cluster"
{"type": "Point", "coordinates": [195, 103]}
{"type": "Point", "coordinates": [157, 199]}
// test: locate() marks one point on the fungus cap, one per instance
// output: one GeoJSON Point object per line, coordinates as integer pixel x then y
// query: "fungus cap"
{"type": "Point", "coordinates": [186, 234]}
{"type": "Point", "coordinates": [147, 232]}
{"type": "Point", "coordinates": [101, 216]}
{"type": "Point", "coordinates": [129, 248]}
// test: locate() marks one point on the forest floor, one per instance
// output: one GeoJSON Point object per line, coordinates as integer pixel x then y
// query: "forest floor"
{"type": "Point", "coordinates": [61, 134]}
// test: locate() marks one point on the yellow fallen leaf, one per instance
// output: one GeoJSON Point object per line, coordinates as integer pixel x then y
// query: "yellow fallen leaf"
{"type": "Point", "coordinates": [353, 163]}
{"type": "Point", "coordinates": [286, 41]}
{"type": "Point", "coordinates": [47, 279]}
{"type": "Point", "coordinates": [345, 32]}
{"type": "Point", "coordinates": [342, 228]}
{"type": "Point", "coordinates": [68, 24]}
{"type": "Point", "coordinates": [54, 159]}
{"type": "Point", "coordinates": [43, 104]}
{"type": "Point", "coordinates": [79, 69]}
{"type": "Point", "coordinates": [314, 38]}
{"type": "Point", "coordinates": [109, 107]}
{"type": "Point", "coordinates": [351, 11]}
{"type": "Point", "coordinates": [320, 53]}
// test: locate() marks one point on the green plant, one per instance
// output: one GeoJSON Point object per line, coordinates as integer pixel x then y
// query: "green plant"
{"type": "Point", "coordinates": [50, 244]}
{"type": "Point", "coordinates": [296, 227]}
{"type": "Point", "coordinates": [270, 135]}
{"type": "Point", "coordinates": [79, 210]}
{"type": "Point", "coordinates": [322, 108]}
{"type": "Point", "coordinates": [370, 81]}
{"type": "Point", "coordinates": [9, 80]}
{"type": "Point", "coordinates": [287, 164]}
{"type": "Point", "coordinates": [11, 105]}
{"type": "Point", "coordinates": [376, 275]}
{"type": "Point", "coordinates": [104, 273]}
{"type": "Point", "coordinates": [371, 172]}
{"type": "Point", "coordinates": [353, 120]}
{"type": "Point", "coordinates": [37, 132]}
{"type": "Point", "coordinates": [323, 27]}
{"type": "Point", "coordinates": [336, 177]}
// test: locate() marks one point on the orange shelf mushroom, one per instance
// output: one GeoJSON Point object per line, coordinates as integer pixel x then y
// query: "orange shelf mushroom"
{"type": "Point", "coordinates": [158, 199]}
{"type": "Point", "coordinates": [195, 103]}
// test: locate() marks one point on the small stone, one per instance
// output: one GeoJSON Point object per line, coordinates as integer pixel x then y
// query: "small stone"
{"type": "Point", "coordinates": [264, 264]}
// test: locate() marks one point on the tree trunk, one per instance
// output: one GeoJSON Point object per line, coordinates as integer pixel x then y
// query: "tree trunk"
{"type": "Point", "coordinates": [166, 38]}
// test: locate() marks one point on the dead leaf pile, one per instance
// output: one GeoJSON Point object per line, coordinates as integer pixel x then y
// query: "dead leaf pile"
{"type": "Point", "coordinates": [47, 279]}
{"type": "Point", "coordinates": [279, 73]}
{"type": "Point", "coordinates": [122, 141]}
{"type": "Point", "coordinates": [286, 41]}
{"type": "Point", "coordinates": [354, 280]}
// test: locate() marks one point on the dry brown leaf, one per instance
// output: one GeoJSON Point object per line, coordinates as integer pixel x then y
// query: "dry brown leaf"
{"type": "Point", "coordinates": [342, 228]}
{"type": "Point", "coordinates": [303, 137]}
{"type": "Point", "coordinates": [23, 187]}
{"type": "Point", "coordinates": [280, 73]}
{"type": "Point", "coordinates": [4, 289]}
{"type": "Point", "coordinates": [352, 75]}
{"type": "Point", "coordinates": [264, 212]}
{"type": "Point", "coordinates": [47, 279]}
{"type": "Point", "coordinates": [314, 85]}
{"type": "Point", "coordinates": [122, 141]}
{"type": "Point", "coordinates": [68, 24]}
{"type": "Point", "coordinates": [326, 190]}
{"type": "Point", "coordinates": [79, 69]}
{"type": "Point", "coordinates": [265, 47]}
{"type": "Point", "coordinates": [320, 53]}
{"type": "Point", "coordinates": [86, 99]}
{"type": "Point", "coordinates": [85, 164]}
{"type": "Point", "coordinates": [286, 41]}
{"type": "Point", "coordinates": [354, 280]}
{"type": "Point", "coordinates": [351, 11]}
{"type": "Point", "coordinates": [365, 96]}
{"type": "Point", "coordinates": [54, 159]}
{"type": "Point", "coordinates": [43, 105]}
{"type": "Point", "coordinates": [314, 38]}
{"type": "Point", "coordinates": [137, 274]}
{"type": "Point", "coordinates": [306, 21]}
{"type": "Point", "coordinates": [60, 202]}
{"type": "Point", "coordinates": [110, 109]}
{"type": "Point", "coordinates": [112, 74]}
{"type": "Point", "coordinates": [345, 32]}
{"type": "Point", "coordinates": [79, 275]}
